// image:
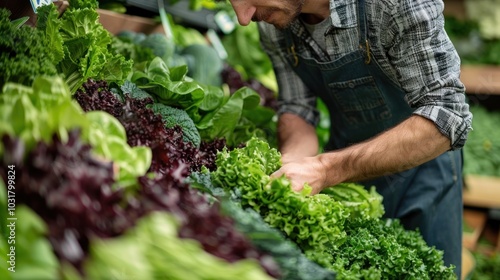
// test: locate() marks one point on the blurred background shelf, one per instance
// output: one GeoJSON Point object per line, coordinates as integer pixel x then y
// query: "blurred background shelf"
{"type": "Point", "coordinates": [478, 79]}
{"type": "Point", "coordinates": [482, 191]}
{"type": "Point", "coordinates": [481, 79]}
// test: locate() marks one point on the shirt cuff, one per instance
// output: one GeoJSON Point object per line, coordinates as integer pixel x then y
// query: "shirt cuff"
{"type": "Point", "coordinates": [310, 115]}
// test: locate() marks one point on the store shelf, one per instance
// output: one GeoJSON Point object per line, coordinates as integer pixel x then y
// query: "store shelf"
{"type": "Point", "coordinates": [481, 79]}
{"type": "Point", "coordinates": [455, 8]}
{"type": "Point", "coordinates": [475, 220]}
{"type": "Point", "coordinates": [482, 191]}
{"type": "Point", "coordinates": [115, 22]}
{"type": "Point", "coordinates": [468, 264]}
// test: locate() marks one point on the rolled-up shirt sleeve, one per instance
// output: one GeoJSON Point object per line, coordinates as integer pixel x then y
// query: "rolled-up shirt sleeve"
{"type": "Point", "coordinates": [293, 95]}
{"type": "Point", "coordinates": [428, 68]}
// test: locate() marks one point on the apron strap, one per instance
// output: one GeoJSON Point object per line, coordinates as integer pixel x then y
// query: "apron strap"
{"type": "Point", "coordinates": [363, 31]}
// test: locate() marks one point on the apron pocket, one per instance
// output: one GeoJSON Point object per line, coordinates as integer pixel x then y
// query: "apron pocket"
{"type": "Point", "coordinates": [360, 102]}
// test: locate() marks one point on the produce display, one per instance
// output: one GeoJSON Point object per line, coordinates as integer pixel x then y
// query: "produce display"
{"type": "Point", "coordinates": [482, 150]}
{"type": "Point", "coordinates": [120, 160]}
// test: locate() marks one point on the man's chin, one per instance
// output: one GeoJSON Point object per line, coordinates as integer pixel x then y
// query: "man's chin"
{"type": "Point", "coordinates": [282, 25]}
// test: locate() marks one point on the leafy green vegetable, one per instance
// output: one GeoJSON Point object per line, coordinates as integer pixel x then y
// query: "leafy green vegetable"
{"type": "Point", "coordinates": [170, 86]}
{"type": "Point", "coordinates": [34, 113]}
{"type": "Point", "coordinates": [204, 64]}
{"type": "Point", "coordinates": [377, 249]}
{"type": "Point", "coordinates": [222, 122]}
{"type": "Point", "coordinates": [25, 52]}
{"type": "Point", "coordinates": [153, 250]}
{"type": "Point", "coordinates": [34, 257]}
{"type": "Point", "coordinates": [130, 36]}
{"type": "Point", "coordinates": [323, 128]}
{"type": "Point", "coordinates": [108, 137]}
{"type": "Point", "coordinates": [293, 263]}
{"type": "Point", "coordinates": [173, 116]}
{"type": "Point", "coordinates": [159, 45]}
{"type": "Point", "coordinates": [85, 43]}
{"type": "Point", "coordinates": [487, 266]}
{"type": "Point", "coordinates": [130, 50]}
{"type": "Point", "coordinates": [184, 36]}
{"type": "Point", "coordinates": [482, 149]}
{"type": "Point", "coordinates": [355, 198]}
{"type": "Point", "coordinates": [215, 114]}
{"type": "Point", "coordinates": [134, 91]}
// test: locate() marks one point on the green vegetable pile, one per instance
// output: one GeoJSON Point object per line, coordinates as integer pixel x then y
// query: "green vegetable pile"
{"type": "Point", "coordinates": [340, 229]}
{"type": "Point", "coordinates": [82, 44]}
{"type": "Point", "coordinates": [482, 150]}
{"type": "Point", "coordinates": [487, 266]}
{"type": "Point", "coordinates": [24, 54]}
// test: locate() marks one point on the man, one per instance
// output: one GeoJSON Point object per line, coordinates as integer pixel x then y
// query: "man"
{"type": "Point", "coordinates": [389, 75]}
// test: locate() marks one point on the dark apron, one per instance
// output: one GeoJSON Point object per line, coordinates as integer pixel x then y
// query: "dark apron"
{"type": "Point", "coordinates": [363, 102]}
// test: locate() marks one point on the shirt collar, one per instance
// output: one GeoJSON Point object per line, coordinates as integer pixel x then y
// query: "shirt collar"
{"type": "Point", "coordinates": [343, 13]}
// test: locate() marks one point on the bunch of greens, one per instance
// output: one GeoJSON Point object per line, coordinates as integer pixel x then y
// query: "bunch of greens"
{"type": "Point", "coordinates": [71, 190]}
{"type": "Point", "coordinates": [173, 116]}
{"type": "Point", "coordinates": [482, 150]}
{"type": "Point", "coordinates": [118, 6]}
{"type": "Point", "coordinates": [24, 54]}
{"type": "Point", "coordinates": [487, 266]}
{"type": "Point", "coordinates": [152, 250]}
{"type": "Point", "coordinates": [143, 128]}
{"type": "Point", "coordinates": [378, 249]}
{"type": "Point", "coordinates": [34, 256]}
{"type": "Point", "coordinates": [35, 113]}
{"type": "Point", "coordinates": [80, 44]}
{"type": "Point", "coordinates": [357, 200]}
{"type": "Point", "coordinates": [234, 117]}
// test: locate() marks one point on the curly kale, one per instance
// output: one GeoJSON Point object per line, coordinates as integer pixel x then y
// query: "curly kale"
{"type": "Point", "coordinates": [23, 52]}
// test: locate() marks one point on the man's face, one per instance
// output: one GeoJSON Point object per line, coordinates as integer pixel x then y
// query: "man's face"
{"type": "Point", "coordinates": [280, 13]}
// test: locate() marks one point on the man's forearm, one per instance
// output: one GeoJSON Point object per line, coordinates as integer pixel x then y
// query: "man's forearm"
{"type": "Point", "coordinates": [296, 138]}
{"type": "Point", "coordinates": [411, 143]}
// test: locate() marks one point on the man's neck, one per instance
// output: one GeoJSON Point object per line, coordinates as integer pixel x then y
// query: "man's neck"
{"type": "Point", "coordinates": [315, 11]}
{"type": "Point", "coordinates": [311, 19]}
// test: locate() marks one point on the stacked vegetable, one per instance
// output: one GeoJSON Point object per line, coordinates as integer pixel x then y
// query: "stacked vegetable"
{"type": "Point", "coordinates": [340, 229]}
{"type": "Point", "coordinates": [128, 167]}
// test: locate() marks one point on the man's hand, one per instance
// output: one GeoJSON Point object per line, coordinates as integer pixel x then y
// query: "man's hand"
{"type": "Point", "coordinates": [306, 170]}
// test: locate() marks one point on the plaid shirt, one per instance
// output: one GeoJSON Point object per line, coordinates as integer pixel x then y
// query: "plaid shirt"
{"type": "Point", "coordinates": [407, 40]}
